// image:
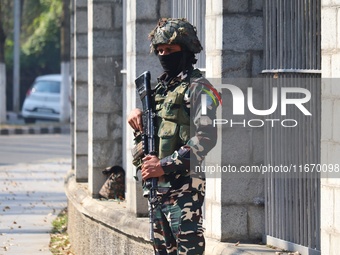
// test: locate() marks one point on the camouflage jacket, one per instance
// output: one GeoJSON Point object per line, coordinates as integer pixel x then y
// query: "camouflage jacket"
{"type": "Point", "coordinates": [203, 135]}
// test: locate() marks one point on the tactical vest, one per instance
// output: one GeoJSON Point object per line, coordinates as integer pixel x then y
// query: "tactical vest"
{"type": "Point", "coordinates": [173, 119]}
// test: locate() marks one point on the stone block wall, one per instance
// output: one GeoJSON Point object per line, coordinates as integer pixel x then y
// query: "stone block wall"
{"type": "Point", "coordinates": [330, 123]}
{"type": "Point", "coordinates": [242, 39]}
{"type": "Point", "coordinates": [105, 61]}
{"type": "Point", "coordinates": [80, 89]}
{"type": "Point", "coordinates": [141, 18]}
{"type": "Point", "coordinates": [234, 48]}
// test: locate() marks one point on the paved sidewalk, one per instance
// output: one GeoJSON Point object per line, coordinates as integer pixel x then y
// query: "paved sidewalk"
{"type": "Point", "coordinates": [31, 196]}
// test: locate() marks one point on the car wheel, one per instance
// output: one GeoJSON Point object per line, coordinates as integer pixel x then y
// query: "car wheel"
{"type": "Point", "coordinates": [29, 120]}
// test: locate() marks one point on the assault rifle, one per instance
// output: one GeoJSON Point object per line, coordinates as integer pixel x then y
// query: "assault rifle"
{"type": "Point", "coordinates": [148, 139]}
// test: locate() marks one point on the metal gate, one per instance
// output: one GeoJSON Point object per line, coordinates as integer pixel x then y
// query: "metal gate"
{"type": "Point", "coordinates": [194, 12]}
{"type": "Point", "coordinates": [292, 59]}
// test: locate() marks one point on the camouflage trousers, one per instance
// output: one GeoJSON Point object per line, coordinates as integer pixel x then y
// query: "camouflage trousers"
{"type": "Point", "coordinates": [178, 224]}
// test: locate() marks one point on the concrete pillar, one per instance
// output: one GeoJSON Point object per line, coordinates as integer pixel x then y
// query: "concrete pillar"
{"type": "Point", "coordinates": [142, 17]}
{"type": "Point", "coordinates": [330, 135]}
{"type": "Point", "coordinates": [80, 73]}
{"type": "Point", "coordinates": [105, 89]}
{"type": "Point", "coordinates": [234, 50]}
{"type": "Point", "coordinates": [213, 50]}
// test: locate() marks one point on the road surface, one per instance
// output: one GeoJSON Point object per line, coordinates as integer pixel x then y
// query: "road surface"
{"type": "Point", "coordinates": [28, 148]}
{"type": "Point", "coordinates": [32, 171]}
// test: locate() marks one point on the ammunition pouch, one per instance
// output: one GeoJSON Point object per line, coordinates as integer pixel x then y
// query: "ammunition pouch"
{"type": "Point", "coordinates": [137, 150]}
{"type": "Point", "coordinates": [174, 121]}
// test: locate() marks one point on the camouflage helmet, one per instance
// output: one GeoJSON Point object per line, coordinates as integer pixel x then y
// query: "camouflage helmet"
{"type": "Point", "coordinates": [175, 31]}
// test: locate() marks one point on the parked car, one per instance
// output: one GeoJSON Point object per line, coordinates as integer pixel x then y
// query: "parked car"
{"type": "Point", "coordinates": [42, 100]}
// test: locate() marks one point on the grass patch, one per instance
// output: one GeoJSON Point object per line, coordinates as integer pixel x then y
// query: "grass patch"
{"type": "Point", "coordinates": [60, 243]}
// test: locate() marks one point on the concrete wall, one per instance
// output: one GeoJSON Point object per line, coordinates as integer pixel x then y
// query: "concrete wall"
{"type": "Point", "coordinates": [234, 34]}
{"type": "Point", "coordinates": [80, 76]}
{"type": "Point", "coordinates": [104, 227]}
{"type": "Point", "coordinates": [141, 18]}
{"type": "Point", "coordinates": [330, 134]}
{"type": "Point", "coordinates": [105, 58]}
{"type": "Point", "coordinates": [99, 239]}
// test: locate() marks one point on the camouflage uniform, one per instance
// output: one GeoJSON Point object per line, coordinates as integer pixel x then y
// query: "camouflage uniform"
{"type": "Point", "coordinates": [185, 136]}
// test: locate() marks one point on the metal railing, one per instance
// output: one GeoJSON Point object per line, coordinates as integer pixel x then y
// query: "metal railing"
{"type": "Point", "coordinates": [194, 12]}
{"type": "Point", "coordinates": [292, 58]}
{"type": "Point", "coordinates": [292, 34]}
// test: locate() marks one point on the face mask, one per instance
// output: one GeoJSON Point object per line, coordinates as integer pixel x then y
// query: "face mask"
{"type": "Point", "coordinates": [171, 62]}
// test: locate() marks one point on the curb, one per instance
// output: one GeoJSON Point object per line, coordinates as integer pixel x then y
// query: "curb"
{"type": "Point", "coordinates": [115, 217]}
{"type": "Point", "coordinates": [24, 130]}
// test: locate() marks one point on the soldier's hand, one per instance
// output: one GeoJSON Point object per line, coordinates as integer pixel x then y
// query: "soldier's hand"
{"type": "Point", "coordinates": [135, 119]}
{"type": "Point", "coordinates": [151, 167]}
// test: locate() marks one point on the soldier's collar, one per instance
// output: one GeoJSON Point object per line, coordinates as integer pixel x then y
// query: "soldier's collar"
{"type": "Point", "coordinates": [169, 82]}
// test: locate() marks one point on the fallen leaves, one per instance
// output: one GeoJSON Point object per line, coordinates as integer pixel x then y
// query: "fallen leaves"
{"type": "Point", "coordinates": [60, 244]}
{"type": "Point", "coordinates": [6, 208]}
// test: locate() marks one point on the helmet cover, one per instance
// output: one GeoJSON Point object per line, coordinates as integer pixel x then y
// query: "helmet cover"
{"type": "Point", "coordinates": [175, 31]}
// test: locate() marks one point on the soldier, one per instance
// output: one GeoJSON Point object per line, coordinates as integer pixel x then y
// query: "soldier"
{"type": "Point", "coordinates": [185, 136]}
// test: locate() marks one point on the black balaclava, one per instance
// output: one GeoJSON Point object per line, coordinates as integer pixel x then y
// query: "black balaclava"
{"type": "Point", "coordinates": [171, 63]}
{"type": "Point", "coordinates": [176, 62]}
